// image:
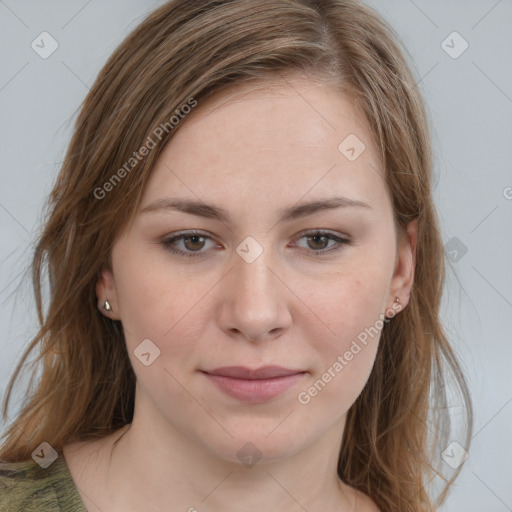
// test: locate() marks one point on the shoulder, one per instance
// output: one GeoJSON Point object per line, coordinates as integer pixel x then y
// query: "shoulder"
{"type": "Point", "coordinates": [26, 486]}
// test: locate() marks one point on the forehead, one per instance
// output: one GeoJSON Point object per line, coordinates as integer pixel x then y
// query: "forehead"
{"type": "Point", "coordinates": [271, 141]}
{"type": "Point", "coordinates": [278, 115]}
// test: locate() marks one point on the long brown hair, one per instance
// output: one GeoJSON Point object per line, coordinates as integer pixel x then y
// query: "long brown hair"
{"type": "Point", "coordinates": [180, 54]}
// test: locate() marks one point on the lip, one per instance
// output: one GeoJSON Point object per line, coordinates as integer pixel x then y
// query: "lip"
{"type": "Point", "coordinates": [254, 386]}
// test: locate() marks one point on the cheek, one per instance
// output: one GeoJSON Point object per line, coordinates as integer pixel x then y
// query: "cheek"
{"type": "Point", "coordinates": [352, 301]}
{"type": "Point", "coordinates": [159, 303]}
{"type": "Point", "coordinates": [352, 308]}
{"type": "Point", "coordinates": [345, 359]}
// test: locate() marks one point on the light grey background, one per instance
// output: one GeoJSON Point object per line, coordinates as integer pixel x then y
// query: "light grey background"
{"type": "Point", "coordinates": [470, 106]}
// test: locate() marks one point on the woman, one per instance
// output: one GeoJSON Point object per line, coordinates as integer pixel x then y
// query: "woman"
{"type": "Point", "coordinates": [246, 271]}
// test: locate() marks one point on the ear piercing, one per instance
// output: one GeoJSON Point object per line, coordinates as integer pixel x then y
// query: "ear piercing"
{"type": "Point", "coordinates": [397, 301]}
{"type": "Point", "coordinates": [106, 306]}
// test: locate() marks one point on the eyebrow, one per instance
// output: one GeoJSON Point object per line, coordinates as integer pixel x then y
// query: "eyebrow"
{"type": "Point", "coordinates": [202, 209]}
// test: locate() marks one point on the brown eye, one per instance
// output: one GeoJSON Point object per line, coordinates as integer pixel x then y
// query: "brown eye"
{"type": "Point", "coordinates": [194, 242]}
{"type": "Point", "coordinates": [191, 245]}
{"type": "Point", "coordinates": [317, 242]}
{"type": "Point", "coordinates": [188, 245]}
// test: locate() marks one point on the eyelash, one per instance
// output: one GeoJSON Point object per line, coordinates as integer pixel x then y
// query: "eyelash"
{"type": "Point", "coordinates": [168, 243]}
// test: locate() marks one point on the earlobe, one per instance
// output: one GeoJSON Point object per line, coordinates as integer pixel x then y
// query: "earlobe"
{"type": "Point", "coordinates": [107, 295]}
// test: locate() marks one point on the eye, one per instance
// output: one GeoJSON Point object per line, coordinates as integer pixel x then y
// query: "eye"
{"type": "Point", "coordinates": [318, 241]}
{"type": "Point", "coordinates": [193, 242]}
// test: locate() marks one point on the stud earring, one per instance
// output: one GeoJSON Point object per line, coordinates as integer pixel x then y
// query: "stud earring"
{"type": "Point", "coordinates": [106, 306]}
{"type": "Point", "coordinates": [397, 301]}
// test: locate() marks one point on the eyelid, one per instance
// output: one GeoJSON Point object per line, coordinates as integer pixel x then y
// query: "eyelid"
{"type": "Point", "coordinates": [320, 231]}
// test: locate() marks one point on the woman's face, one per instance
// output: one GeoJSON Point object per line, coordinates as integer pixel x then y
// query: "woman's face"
{"type": "Point", "coordinates": [255, 285]}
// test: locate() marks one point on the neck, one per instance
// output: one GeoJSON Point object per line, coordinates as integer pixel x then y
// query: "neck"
{"type": "Point", "coordinates": [152, 463]}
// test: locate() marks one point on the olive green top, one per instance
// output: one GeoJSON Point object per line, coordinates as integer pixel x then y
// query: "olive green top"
{"type": "Point", "coordinates": [27, 487]}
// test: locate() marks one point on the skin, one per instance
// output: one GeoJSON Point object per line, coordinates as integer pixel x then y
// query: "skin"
{"type": "Point", "coordinates": [252, 152]}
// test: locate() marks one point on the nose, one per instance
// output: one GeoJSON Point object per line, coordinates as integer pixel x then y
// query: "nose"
{"type": "Point", "coordinates": [253, 303]}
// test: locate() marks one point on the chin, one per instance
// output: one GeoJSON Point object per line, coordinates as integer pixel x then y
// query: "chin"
{"type": "Point", "coordinates": [251, 444]}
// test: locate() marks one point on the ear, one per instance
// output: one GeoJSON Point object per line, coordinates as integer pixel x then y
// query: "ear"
{"type": "Point", "coordinates": [405, 263]}
{"type": "Point", "coordinates": [106, 290]}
